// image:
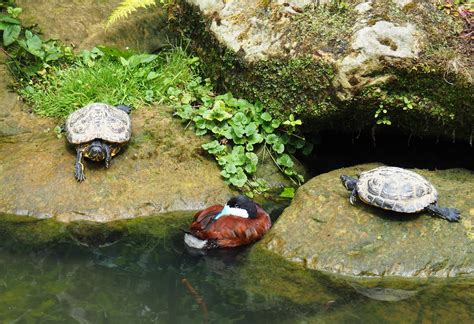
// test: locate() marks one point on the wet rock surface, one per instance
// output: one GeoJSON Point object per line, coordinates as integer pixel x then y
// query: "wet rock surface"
{"type": "Point", "coordinates": [322, 231]}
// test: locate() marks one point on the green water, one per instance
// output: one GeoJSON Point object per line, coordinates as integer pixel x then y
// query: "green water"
{"type": "Point", "coordinates": [150, 279]}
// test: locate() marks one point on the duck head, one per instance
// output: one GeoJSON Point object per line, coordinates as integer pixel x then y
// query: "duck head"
{"type": "Point", "coordinates": [240, 206]}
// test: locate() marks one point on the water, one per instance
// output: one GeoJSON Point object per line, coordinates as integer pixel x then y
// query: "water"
{"type": "Point", "coordinates": [150, 279]}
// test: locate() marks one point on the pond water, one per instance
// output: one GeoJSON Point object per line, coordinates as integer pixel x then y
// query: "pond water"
{"type": "Point", "coordinates": [145, 279]}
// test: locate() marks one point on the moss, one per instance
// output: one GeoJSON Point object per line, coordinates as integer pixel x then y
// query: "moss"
{"type": "Point", "coordinates": [31, 232]}
{"type": "Point", "coordinates": [270, 275]}
{"type": "Point", "coordinates": [437, 85]}
{"type": "Point", "coordinates": [323, 28]}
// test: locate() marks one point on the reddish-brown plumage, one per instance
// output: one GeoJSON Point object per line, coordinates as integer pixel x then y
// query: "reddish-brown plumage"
{"type": "Point", "coordinates": [228, 230]}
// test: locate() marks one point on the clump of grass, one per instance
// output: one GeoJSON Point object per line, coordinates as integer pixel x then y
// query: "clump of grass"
{"type": "Point", "coordinates": [111, 76]}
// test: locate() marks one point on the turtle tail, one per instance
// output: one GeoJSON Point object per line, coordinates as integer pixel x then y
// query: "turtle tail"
{"type": "Point", "coordinates": [449, 214]}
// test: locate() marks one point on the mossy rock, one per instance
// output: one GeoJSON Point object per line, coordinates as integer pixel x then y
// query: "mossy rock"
{"type": "Point", "coordinates": [336, 68]}
{"type": "Point", "coordinates": [321, 230]}
{"type": "Point", "coordinates": [31, 233]}
{"type": "Point", "coordinates": [161, 170]}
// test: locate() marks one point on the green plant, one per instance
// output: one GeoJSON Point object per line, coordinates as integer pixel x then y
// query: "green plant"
{"type": "Point", "coordinates": [126, 7]}
{"type": "Point", "coordinates": [381, 115]}
{"type": "Point", "coordinates": [238, 128]}
{"type": "Point", "coordinates": [29, 54]}
{"type": "Point", "coordinates": [106, 74]}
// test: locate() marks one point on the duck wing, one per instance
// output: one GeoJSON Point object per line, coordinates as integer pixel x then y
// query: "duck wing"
{"type": "Point", "coordinates": [203, 218]}
{"type": "Point", "coordinates": [232, 231]}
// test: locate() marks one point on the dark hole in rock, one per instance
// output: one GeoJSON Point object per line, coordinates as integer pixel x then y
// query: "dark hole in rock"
{"type": "Point", "coordinates": [388, 42]}
{"type": "Point", "coordinates": [334, 150]}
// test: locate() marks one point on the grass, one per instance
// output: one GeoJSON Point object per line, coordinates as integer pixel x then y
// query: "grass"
{"type": "Point", "coordinates": [109, 77]}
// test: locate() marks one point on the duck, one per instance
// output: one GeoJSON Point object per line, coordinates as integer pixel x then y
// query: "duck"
{"type": "Point", "coordinates": [239, 222]}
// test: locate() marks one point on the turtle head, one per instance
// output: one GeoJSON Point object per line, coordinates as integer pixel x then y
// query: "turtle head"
{"type": "Point", "coordinates": [348, 182]}
{"type": "Point", "coordinates": [96, 151]}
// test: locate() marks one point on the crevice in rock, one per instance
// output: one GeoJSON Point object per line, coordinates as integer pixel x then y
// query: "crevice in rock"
{"type": "Point", "coordinates": [334, 150]}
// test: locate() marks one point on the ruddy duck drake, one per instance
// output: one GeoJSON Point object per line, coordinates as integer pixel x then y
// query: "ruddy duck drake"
{"type": "Point", "coordinates": [241, 221]}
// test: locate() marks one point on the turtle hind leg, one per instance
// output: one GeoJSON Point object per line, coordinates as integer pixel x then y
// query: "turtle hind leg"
{"type": "Point", "coordinates": [449, 214]}
{"type": "Point", "coordinates": [79, 166]}
{"type": "Point", "coordinates": [125, 108]}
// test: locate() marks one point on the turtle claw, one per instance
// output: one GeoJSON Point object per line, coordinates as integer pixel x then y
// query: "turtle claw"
{"type": "Point", "coordinates": [79, 172]}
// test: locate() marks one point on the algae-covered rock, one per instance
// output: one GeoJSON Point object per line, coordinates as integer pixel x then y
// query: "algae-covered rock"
{"type": "Point", "coordinates": [14, 120]}
{"type": "Point", "coordinates": [83, 23]}
{"type": "Point", "coordinates": [31, 233]}
{"type": "Point", "coordinates": [162, 169]}
{"type": "Point", "coordinates": [323, 231]}
{"type": "Point", "coordinates": [347, 65]}
{"type": "Point", "coordinates": [269, 275]}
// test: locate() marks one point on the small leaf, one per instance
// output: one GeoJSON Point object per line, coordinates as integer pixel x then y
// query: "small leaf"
{"type": "Point", "coordinates": [271, 139]}
{"type": "Point", "coordinates": [240, 118]}
{"type": "Point", "coordinates": [124, 61]}
{"type": "Point", "coordinates": [9, 20]}
{"type": "Point", "coordinates": [288, 192]}
{"type": "Point", "coordinates": [250, 129]}
{"type": "Point", "coordinates": [308, 148]}
{"type": "Point", "coordinates": [239, 179]}
{"type": "Point", "coordinates": [278, 147]}
{"type": "Point", "coordinates": [266, 116]}
{"type": "Point", "coordinates": [10, 34]}
{"type": "Point", "coordinates": [152, 75]}
{"type": "Point", "coordinates": [230, 168]}
{"type": "Point", "coordinates": [285, 160]}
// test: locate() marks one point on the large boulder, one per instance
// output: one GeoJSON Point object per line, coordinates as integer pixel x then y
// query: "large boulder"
{"type": "Point", "coordinates": [347, 65]}
{"type": "Point", "coordinates": [323, 231]}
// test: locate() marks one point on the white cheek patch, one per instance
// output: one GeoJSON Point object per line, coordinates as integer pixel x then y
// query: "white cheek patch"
{"type": "Point", "coordinates": [194, 242]}
{"type": "Point", "coordinates": [239, 212]}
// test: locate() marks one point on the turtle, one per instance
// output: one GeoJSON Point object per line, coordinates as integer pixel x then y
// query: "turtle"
{"type": "Point", "coordinates": [98, 131]}
{"type": "Point", "coordinates": [399, 190]}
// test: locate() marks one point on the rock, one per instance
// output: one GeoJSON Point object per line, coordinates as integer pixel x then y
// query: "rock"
{"type": "Point", "coordinates": [336, 67]}
{"type": "Point", "coordinates": [14, 120]}
{"type": "Point", "coordinates": [82, 23]}
{"type": "Point", "coordinates": [323, 231]}
{"type": "Point", "coordinates": [162, 169]}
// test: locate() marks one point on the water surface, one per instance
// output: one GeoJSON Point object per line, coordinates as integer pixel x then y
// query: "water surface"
{"type": "Point", "coordinates": [145, 279]}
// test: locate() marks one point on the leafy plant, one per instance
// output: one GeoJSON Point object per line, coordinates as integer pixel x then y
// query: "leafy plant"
{"type": "Point", "coordinates": [238, 128]}
{"type": "Point", "coordinates": [106, 74]}
{"type": "Point", "coordinates": [381, 115]}
{"type": "Point", "coordinates": [29, 54]}
{"type": "Point", "coordinates": [126, 7]}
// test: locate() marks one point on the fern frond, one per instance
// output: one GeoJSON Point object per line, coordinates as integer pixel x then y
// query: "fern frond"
{"type": "Point", "coordinates": [126, 7]}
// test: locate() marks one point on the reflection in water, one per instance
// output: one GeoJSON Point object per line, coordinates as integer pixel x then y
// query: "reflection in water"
{"type": "Point", "coordinates": [384, 294]}
{"type": "Point", "coordinates": [156, 280]}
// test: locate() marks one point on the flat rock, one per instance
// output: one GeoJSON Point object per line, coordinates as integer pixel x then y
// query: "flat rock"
{"type": "Point", "coordinates": [163, 169]}
{"type": "Point", "coordinates": [323, 231]}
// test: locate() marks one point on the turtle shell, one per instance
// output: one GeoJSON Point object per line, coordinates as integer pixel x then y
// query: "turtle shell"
{"type": "Point", "coordinates": [396, 189]}
{"type": "Point", "coordinates": [98, 121]}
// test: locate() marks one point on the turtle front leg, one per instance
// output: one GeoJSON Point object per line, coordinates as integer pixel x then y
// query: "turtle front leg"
{"type": "Point", "coordinates": [353, 197]}
{"type": "Point", "coordinates": [78, 166]}
{"type": "Point", "coordinates": [108, 155]}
